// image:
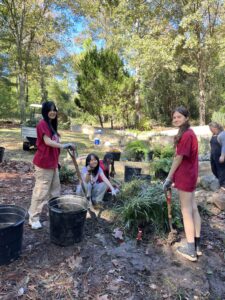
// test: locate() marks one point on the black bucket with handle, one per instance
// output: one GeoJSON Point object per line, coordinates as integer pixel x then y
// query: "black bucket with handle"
{"type": "Point", "coordinates": [11, 232]}
{"type": "Point", "coordinates": [67, 216]}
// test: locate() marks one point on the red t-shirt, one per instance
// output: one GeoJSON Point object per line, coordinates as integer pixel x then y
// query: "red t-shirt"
{"type": "Point", "coordinates": [104, 169]}
{"type": "Point", "coordinates": [185, 177]}
{"type": "Point", "coordinates": [46, 157]}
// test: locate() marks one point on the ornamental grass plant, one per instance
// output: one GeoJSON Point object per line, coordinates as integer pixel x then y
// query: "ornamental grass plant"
{"type": "Point", "coordinates": [144, 205]}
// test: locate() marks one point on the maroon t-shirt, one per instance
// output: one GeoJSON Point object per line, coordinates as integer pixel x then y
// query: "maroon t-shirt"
{"type": "Point", "coordinates": [185, 177]}
{"type": "Point", "coordinates": [46, 157]}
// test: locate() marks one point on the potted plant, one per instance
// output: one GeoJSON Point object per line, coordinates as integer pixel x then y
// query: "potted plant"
{"type": "Point", "coordinates": [137, 150]}
{"type": "Point", "coordinates": [116, 154]}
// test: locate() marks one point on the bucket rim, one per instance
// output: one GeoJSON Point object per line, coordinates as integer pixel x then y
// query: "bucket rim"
{"type": "Point", "coordinates": [14, 206]}
{"type": "Point", "coordinates": [63, 197]}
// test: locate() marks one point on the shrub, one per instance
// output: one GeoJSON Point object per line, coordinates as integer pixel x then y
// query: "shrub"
{"type": "Point", "coordinates": [219, 117]}
{"type": "Point", "coordinates": [66, 175]}
{"type": "Point", "coordinates": [145, 205]}
{"type": "Point", "coordinates": [136, 150]}
{"type": "Point", "coordinates": [145, 124]}
{"type": "Point", "coordinates": [166, 151]}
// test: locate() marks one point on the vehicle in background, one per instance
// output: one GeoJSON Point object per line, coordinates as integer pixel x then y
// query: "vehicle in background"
{"type": "Point", "coordinates": [28, 129]}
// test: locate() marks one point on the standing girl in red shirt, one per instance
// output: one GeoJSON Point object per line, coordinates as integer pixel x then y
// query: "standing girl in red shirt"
{"type": "Point", "coordinates": [46, 160]}
{"type": "Point", "coordinates": [184, 174]}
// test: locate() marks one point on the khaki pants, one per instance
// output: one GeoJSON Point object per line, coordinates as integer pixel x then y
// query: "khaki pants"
{"type": "Point", "coordinates": [47, 186]}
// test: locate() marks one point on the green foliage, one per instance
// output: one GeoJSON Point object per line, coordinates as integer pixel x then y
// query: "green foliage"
{"type": "Point", "coordinates": [145, 124]}
{"type": "Point", "coordinates": [103, 84]}
{"type": "Point", "coordinates": [162, 164]}
{"type": "Point", "coordinates": [66, 175]}
{"type": "Point", "coordinates": [136, 150]}
{"type": "Point", "coordinates": [160, 151]}
{"type": "Point", "coordinates": [167, 151]}
{"type": "Point", "coordinates": [219, 117]}
{"type": "Point", "coordinates": [145, 205]}
{"type": "Point", "coordinates": [203, 145]}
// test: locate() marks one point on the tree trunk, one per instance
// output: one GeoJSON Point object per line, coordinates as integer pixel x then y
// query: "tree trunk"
{"type": "Point", "coordinates": [100, 120]}
{"type": "Point", "coordinates": [137, 99]}
{"type": "Point", "coordinates": [202, 88]}
{"type": "Point", "coordinates": [111, 121]}
{"type": "Point", "coordinates": [22, 86]}
{"type": "Point", "coordinates": [44, 92]}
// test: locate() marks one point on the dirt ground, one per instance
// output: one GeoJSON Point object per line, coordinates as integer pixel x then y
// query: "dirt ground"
{"type": "Point", "coordinates": [102, 267]}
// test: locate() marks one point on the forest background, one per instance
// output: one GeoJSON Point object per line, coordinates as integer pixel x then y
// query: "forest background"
{"type": "Point", "coordinates": [127, 62]}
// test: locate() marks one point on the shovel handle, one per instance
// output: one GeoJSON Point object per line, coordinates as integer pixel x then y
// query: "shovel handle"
{"type": "Point", "coordinates": [72, 155]}
{"type": "Point", "coordinates": [168, 194]}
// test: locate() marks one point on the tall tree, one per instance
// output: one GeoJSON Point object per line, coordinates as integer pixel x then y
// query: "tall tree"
{"type": "Point", "coordinates": [100, 83]}
{"type": "Point", "coordinates": [25, 22]}
{"type": "Point", "coordinates": [200, 29]}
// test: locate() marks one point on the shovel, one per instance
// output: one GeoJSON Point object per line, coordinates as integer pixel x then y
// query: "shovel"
{"type": "Point", "coordinates": [72, 155]}
{"type": "Point", "coordinates": [172, 237]}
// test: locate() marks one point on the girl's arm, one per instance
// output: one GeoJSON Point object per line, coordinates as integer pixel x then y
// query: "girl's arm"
{"type": "Point", "coordinates": [54, 144]}
{"type": "Point", "coordinates": [169, 180]}
{"type": "Point", "coordinates": [176, 162]}
{"type": "Point", "coordinates": [86, 174]}
{"type": "Point", "coordinates": [105, 179]}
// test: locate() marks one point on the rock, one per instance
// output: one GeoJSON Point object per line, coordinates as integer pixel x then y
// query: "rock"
{"type": "Point", "coordinates": [204, 168]}
{"type": "Point", "coordinates": [219, 200]}
{"type": "Point", "coordinates": [209, 182]}
{"type": "Point", "coordinates": [204, 157]}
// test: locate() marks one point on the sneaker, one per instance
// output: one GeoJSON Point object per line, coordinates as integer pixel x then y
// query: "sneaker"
{"type": "Point", "coordinates": [185, 252]}
{"type": "Point", "coordinates": [35, 225]}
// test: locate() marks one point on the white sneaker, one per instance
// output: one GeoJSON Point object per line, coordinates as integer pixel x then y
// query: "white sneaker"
{"type": "Point", "coordinates": [35, 225]}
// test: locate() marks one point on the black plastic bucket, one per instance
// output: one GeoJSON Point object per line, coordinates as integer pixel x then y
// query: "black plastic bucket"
{"type": "Point", "coordinates": [150, 155]}
{"type": "Point", "coordinates": [11, 232]}
{"type": "Point", "coordinates": [160, 174]}
{"type": "Point", "coordinates": [67, 218]}
{"type": "Point", "coordinates": [131, 173]}
{"type": "Point", "coordinates": [2, 150]}
{"type": "Point", "coordinates": [116, 155]}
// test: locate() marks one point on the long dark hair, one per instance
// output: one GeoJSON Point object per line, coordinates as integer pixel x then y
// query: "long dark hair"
{"type": "Point", "coordinates": [88, 159]}
{"type": "Point", "coordinates": [52, 124]}
{"type": "Point", "coordinates": [184, 127]}
{"type": "Point", "coordinates": [109, 156]}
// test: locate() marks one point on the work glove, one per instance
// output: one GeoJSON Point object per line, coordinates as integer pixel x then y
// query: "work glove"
{"type": "Point", "coordinates": [69, 146]}
{"type": "Point", "coordinates": [167, 184]}
{"type": "Point", "coordinates": [114, 192]}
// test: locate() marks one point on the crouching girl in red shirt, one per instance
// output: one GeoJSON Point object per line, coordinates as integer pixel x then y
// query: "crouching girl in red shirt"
{"type": "Point", "coordinates": [184, 174]}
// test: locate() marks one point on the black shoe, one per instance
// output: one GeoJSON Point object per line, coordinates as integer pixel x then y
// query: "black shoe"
{"type": "Point", "coordinates": [198, 246]}
{"type": "Point", "coordinates": [185, 252]}
{"type": "Point", "coordinates": [198, 250]}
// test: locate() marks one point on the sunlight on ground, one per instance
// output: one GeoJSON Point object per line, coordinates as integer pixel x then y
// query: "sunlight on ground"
{"type": "Point", "coordinates": [11, 140]}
